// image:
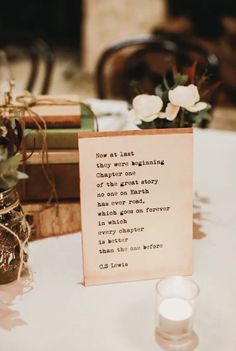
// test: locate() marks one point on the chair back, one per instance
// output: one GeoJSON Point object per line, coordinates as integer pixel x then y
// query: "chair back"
{"type": "Point", "coordinates": [138, 64]}
{"type": "Point", "coordinates": [39, 60]}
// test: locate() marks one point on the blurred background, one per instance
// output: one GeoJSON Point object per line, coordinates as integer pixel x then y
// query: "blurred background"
{"type": "Point", "coordinates": [57, 44]}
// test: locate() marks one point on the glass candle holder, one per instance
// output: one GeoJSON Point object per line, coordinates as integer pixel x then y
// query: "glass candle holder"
{"type": "Point", "coordinates": [175, 307]}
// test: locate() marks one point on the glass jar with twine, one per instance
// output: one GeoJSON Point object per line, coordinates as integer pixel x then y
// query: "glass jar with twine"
{"type": "Point", "coordinates": [14, 235]}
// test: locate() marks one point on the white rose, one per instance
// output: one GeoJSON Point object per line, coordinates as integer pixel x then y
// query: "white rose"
{"type": "Point", "coordinates": [183, 96]}
{"type": "Point", "coordinates": [147, 107]}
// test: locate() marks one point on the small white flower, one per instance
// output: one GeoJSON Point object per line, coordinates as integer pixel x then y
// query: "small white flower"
{"type": "Point", "coordinates": [186, 97]}
{"type": "Point", "coordinates": [146, 108]}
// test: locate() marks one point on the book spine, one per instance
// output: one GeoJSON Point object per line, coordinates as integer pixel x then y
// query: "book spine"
{"type": "Point", "coordinates": [53, 122]}
{"type": "Point", "coordinates": [58, 138]}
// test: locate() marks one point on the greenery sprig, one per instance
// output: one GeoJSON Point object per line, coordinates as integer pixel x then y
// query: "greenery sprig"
{"type": "Point", "coordinates": [176, 103]}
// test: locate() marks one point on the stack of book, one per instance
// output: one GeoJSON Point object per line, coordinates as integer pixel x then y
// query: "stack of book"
{"type": "Point", "coordinates": [60, 162]}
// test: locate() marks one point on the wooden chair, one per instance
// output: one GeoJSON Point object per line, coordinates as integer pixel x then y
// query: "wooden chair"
{"type": "Point", "coordinates": [145, 59]}
{"type": "Point", "coordinates": [35, 52]}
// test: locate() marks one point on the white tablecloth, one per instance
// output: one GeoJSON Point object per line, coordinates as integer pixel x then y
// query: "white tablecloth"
{"type": "Point", "coordinates": [59, 313]}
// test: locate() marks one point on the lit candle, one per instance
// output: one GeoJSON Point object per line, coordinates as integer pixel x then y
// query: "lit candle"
{"type": "Point", "coordinates": [175, 316]}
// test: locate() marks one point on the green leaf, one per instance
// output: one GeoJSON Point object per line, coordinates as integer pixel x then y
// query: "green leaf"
{"type": "Point", "coordinates": [208, 107]}
{"type": "Point", "coordinates": [207, 116]}
{"type": "Point", "coordinates": [8, 172]}
{"type": "Point", "coordinates": [165, 82]}
{"type": "Point", "coordinates": [3, 153]}
{"type": "Point", "coordinates": [159, 91]}
{"type": "Point", "coordinates": [169, 59]}
{"type": "Point", "coordinates": [134, 83]}
{"type": "Point", "coordinates": [180, 79]}
{"type": "Point", "coordinates": [147, 125]}
{"type": "Point", "coordinates": [87, 116]}
{"type": "Point", "coordinates": [21, 175]}
{"type": "Point", "coordinates": [200, 116]}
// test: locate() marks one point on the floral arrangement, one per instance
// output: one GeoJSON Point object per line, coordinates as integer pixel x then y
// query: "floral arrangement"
{"type": "Point", "coordinates": [11, 134]}
{"type": "Point", "coordinates": [174, 106]}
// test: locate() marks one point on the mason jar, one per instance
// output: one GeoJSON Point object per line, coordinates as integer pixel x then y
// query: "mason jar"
{"type": "Point", "coordinates": [14, 235]}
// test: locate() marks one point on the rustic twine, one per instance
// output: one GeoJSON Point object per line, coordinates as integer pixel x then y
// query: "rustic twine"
{"type": "Point", "coordinates": [22, 105]}
{"type": "Point", "coordinates": [22, 244]}
{"type": "Point", "coordinates": [25, 102]}
{"type": "Point", "coordinates": [9, 208]}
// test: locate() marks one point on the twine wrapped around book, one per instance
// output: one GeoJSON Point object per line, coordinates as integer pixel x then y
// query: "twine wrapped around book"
{"type": "Point", "coordinates": [30, 101]}
{"type": "Point", "coordinates": [26, 102]}
{"type": "Point", "coordinates": [22, 106]}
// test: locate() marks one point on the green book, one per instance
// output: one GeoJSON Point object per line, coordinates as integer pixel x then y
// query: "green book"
{"type": "Point", "coordinates": [66, 138]}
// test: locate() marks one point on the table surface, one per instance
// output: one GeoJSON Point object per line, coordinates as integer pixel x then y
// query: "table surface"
{"type": "Point", "coordinates": [56, 312]}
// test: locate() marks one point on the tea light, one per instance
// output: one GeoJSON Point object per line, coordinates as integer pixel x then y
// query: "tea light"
{"type": "Point", "coordinates": [175, 306]}
{"type": "Point", "coordinates": [175, 316]}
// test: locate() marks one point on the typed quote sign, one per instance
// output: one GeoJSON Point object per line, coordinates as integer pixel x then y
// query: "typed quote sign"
{"type": "Point", "coordinates": [136, 204]}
